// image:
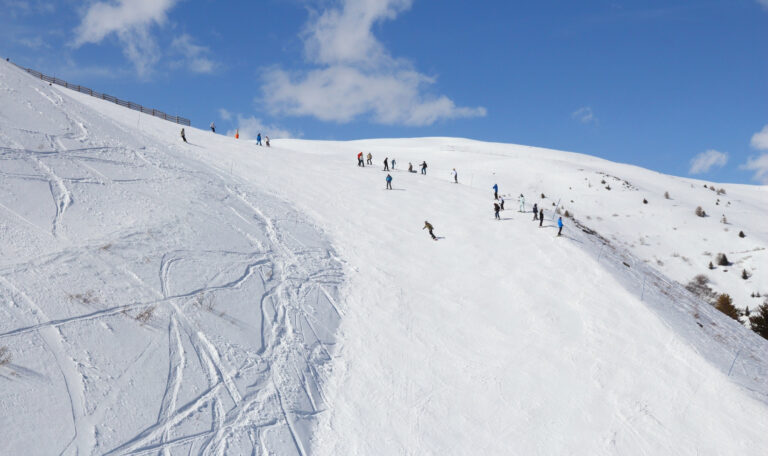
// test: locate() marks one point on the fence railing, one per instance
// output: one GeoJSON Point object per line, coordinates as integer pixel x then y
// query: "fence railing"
{"type": "Point", "coordinates": [104, 96]}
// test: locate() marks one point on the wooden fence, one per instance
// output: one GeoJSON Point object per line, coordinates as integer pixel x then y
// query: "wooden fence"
{"type": "Point", "coordinates": [104, 96]}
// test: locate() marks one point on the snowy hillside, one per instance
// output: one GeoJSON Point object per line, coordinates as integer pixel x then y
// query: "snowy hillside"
{"type": "Point", "coordinates": [219, 297]}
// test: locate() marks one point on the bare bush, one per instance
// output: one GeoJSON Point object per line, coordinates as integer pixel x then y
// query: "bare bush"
{"type": "Point", "coordinates": [721, 191]}
{"type": "Point", "coordinates": [145, 315]}
{"type": "Point", "coordinates": [5, 356]}
{"type": "Point", "coordinates": [699, 286]}
{"type": "Point", "coordinates": [700, 212]}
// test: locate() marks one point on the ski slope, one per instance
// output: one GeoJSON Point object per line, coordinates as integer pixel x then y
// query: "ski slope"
{"type": "Point", "coordinates": [219, 297]}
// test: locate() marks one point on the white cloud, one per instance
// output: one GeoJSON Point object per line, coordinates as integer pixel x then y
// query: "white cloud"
{"type": "Point", "coordinates": [584, 115]}
{"type": "Point", "coordinates": [357, 76]}
{"type": "Point", "coordinates": [764, 3]}
{"type": "Point", "coordinates": [760, 166]}
{"type": "Point", "coordinates": [705, 161]}
{"type": "Point", "coordinates": [195, 56]}
{"type": "Point", "coordinates": [224, 114]}
{"type": "Point", "coordinates": [131, 21]}
{"type": "Point", "coordinates": [760, 139]}
{"type": "Point", "coordinates": [250, 126]}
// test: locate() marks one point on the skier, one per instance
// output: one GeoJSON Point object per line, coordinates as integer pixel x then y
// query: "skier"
{"type": "Point", "coordinates": [266, 140]}
{"type": "Point", "coordinates": [535, 211]}
{"type": "Point", "coordinates": [183, 136]}
{"type": "Point", "coordinates": [522, 203]}
{"type": "Point", "coordinates": [428, 226]}
{"type": "Point", "coordinates": [386, 164]}
{"type": "Point", "coordinates": [501, 202]}
{"type": "Point", "coordinates": [424, 167]}
{"type": "Point", "coordinates": [495, 191]}
{"type": "Point", "coordinates": [393, 163]}
{"type": "Point", "coordinates": [258, 139]}
{"type": "Point", "coordinates": [410, 168]}
{"type": "Point", "coordinates": [389, 182]}
{"type": "Point", "coordinates": [213, 127]}
{"type": "Point", "coordinates": [541, 216]}
{"type": "Point", "coordinates": [455, 176]}
{"type": "Point", "coordinates": [360, 160]}
{"type": "Point", "coordinates": [369, 158]}
{"type": "Point", "coordinates": [496, 209]}
{"type": "Point", "coordinates": [559, 226]}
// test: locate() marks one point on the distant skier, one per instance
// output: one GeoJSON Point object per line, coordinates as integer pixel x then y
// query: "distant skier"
{"type": "Point", "coordinates": [360, 160]}
{"type": "Point", "coordinates": [541, 217]}
{"type": "Point", "coordinates": [455, 176]}
{"type": "Point", "coordinates": [501, 202]}
{"type": "Point", "coordinates": [266, 141]}
{"type": "Point", "coordinates": [424, 167]}
{"type": "Point", "coordinates": [428, 226]}
{"type": "Point", "coordinates": [535, 211]}
{"type": "Point", "coordinates": [495, 191]}
{"type": "Point", "coordinates": [522, 203]}
{"type": "Point", "coordinates": [183, 136]}
{"type": "Point", "coordinates": [258, 139]}
{"type": "Point", "coordinates": [496, 209]}
{"type": "Point", "coordinates": [389, 182]}
{"type": "Point", "coordinates": [559, 226]}
{"type": "Point", "coordinates": [386, 164]}
{"type": "Point", "coordinates": [213, 127]}
{"type": "Point", "coordinates": [369, 158]}
{"type": "Point", "coordinates": [393, 163]}
{"type": "Point", "coordinates": [410, 168]}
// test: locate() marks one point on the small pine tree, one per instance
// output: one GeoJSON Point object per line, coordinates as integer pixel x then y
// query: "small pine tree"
{"type": "Point", "coordinates": [543, 196]}
{"type": "Point", "coordinates": [722, 260]}
{"type": "Point", "coordinates": [666, 195]}
{"type": "Point", "coordinates": [725, 305]}
{"type": "Point", "coordinates": [602, 181]}
{"type": "Point", "coordinates": [711, 266]}
{"type": "Point", "coordinates": [744, 274]}
{"type": "Point", "coordinates": [608, 187]}
{"type": "Point", "coordinates": [746, 311]}
{"type": "Point", "coordinates": [645, 201]}
{"type": "Point", "coordinates": [567, 214]}
{"type": "Point", "coordinates": [759, 321]}
{"type": "Point", "coordinates": [741, 234]}
{"type": "Point", "coordinates": [700, 212]}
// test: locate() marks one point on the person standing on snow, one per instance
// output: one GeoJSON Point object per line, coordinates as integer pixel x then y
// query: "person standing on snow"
{"type": "Point", "coordinates": [522, 203]}
{"type": "Point", "coordinates": [389, 182]}
{"type": "Point", "coordinates": [496, 209]}
{"type": "Point", "coordinates": [393, 163]}
{"type": "Point", "coordinates": [386, 164]}
{"type": "Point", "coordinates": [369, 158]}
{"type": "Point", "coordinates": [501, 202]}
{"type": "Point", "coordinates": [541, 216]}
{"type": "Point", "coordinates": [428, 226]}
{"type": "Point", "coordinates": [360, 159]}
{"type": "Point", "coordinates": [266, 140]}
{"type": "Point", "coordinates": [495, 191]}
{"type": "Point", "coordinates": [213, 127]}
{"type": "Point", "coordinates": [424, 167]}
{"type": "Point", "coordinates": [183, 136]}
{"type": "Point", "coordinates": [535, 211]}
{"type": "Point", "coordinates": [258, 139]}
{"type": "Point", "coordinates": [455, 176]}
{"type": "Point", "coordinates": [410, 168]}
{"type": "Point", "coordinates": [559, 226]}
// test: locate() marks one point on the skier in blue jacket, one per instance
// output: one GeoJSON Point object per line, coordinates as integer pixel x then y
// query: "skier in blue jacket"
{"type": "Point", "coordinates": [389, 182]}
{"type": "Point", "coordinates": [258, 139]}
{"type": "Point", "coordinates": [495, 191]}
{"type": "Point", "coordinates": [559, 226]}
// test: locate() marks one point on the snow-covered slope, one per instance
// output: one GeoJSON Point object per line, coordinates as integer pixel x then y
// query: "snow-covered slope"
{"type": "Point", "coordinates": [162, 296]}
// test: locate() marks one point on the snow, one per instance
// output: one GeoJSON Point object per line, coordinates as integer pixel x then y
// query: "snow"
{"type": "Point", "coordinates": [219, 297]}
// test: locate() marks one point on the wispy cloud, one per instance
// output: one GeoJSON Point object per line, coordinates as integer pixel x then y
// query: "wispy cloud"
{"type": "Point", "coordinates": [763, 3]}
{"type": "Point", "coordinates": [759, 164]}
{"type": "Point", "coordinates": [250, 126]}
{"type": "Point", "coordinates": [195, 56]}
{"type": "Point", "coordinates": [356, 75]}
{"type": "Point", "coordinates": [584, 115]}
{"type": "Point", "coordinates": [705, 161]}
{"type": "Point", "coordinates": [130, 21]}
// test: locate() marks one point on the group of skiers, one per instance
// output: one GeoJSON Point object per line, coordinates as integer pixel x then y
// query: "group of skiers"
{"type": "Point", "coordinates": [237, 135]}
{"type": "Point", "coordinates": [538, 213]}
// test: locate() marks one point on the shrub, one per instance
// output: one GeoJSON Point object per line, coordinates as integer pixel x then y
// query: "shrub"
{"type": "Point", "coordinates": [666, 195]}
{"type": "Point", "coordinates": [722, 260]}
{"type": "Point", "coordinates": [712, 187]}
{"type": "Point", "coordinates": [700, 212]}
{"type": "Point", "coordinates": [5, 356]}
{"type": "Point", "coordinates": [645, 201]}
{"type": "Point", "coordinates": [543, 196]}
{"type": "Point", "coordinates": [602, 181]}
{"type": "Point", "coordinates": [725, 305]}
{"type": "Point", "coordinates": [721, 191]}
{"type": "Point", "coordinates": [146, 315]}
{"type": "Point", "coordinates": [759, 321]}
{"type": "Point", "coordinates": [744, 274]}
{"type": "Point", "coordinates": [607, 187]}
{"type": "Point", "coordinates": [741, 234]}
{"type": "Point", "coordinates": [557, 211]}
{"type": "Point", "coordinates": [567, 214]}
{"type": "Point", "coordinates": [699, 287]}
{"type": "Point", "coordinates": [711, 266]}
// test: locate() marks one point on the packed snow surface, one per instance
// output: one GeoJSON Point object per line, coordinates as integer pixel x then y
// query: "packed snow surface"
{"type": "Point", "coordinates": [217, 297]}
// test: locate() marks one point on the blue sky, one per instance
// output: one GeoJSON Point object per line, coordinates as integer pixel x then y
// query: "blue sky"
{"type": "Point", "coordinates": [676, 86]}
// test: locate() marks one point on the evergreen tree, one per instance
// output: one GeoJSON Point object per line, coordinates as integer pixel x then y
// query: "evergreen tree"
{"type": "Point", "coordinates": [759, 320]}
{"type": "Point", "coordinates": [725, 305]}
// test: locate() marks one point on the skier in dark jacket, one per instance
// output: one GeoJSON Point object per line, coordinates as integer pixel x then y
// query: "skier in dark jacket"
{"type": "Point", "coordinates": [535, 211]}
{"type": "Point", "coordinates": [386, 164]}
{"type": "Point", "coordinates": [424, 167]}
{"type": "Point", "coordinates": [389, 182]}
{"type": "Point", "coordinates": [213, 127]}
{"type": "Point", "coordinates": [183, 136]}
{"type": "Point", "coordinates": [495, 191]}
{"type": "Point", "coordinates": [541, 217]}
{"type": "Point", "coordinates": [496, 209]}
{"type": "Point", "coordinates": [428, 226]}
{"type": "Point", "coordinates": [501, 203]}
{"type": "Point", "coordinates": [559, 226]}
